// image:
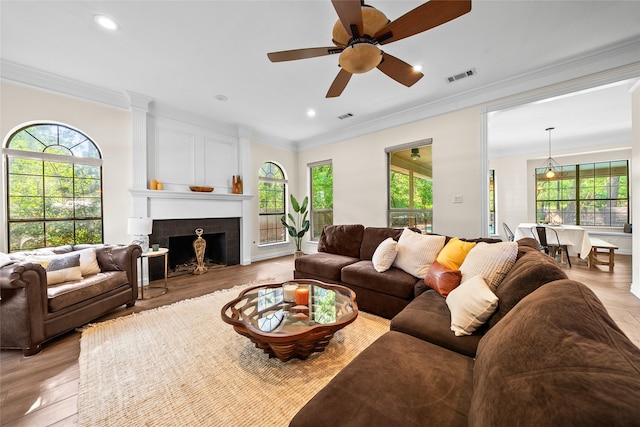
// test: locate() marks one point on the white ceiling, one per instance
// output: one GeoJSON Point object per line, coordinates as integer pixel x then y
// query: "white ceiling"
{"type": "Point", "coordinates": [184, 53]}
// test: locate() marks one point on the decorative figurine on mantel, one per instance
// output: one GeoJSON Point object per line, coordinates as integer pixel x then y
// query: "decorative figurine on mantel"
{"type": "Point", "coordinates": [199, 246]}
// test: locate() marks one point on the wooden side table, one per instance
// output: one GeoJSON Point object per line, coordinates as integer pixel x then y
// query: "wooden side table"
{"type": "Point", "coordinates": [155, 291]}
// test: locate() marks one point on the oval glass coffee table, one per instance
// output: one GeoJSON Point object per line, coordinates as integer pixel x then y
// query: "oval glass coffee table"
{"type": "Point", "coordinates": [292, 319]}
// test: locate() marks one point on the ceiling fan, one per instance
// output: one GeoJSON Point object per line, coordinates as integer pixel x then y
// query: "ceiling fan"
{"type": "Point", "coordinates": [361, 28]}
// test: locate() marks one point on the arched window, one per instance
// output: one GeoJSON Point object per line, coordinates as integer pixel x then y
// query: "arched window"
{"type": "Point", "coordinates": [54, 187]}
{"type": "Point", "coordinates": [272, 190]}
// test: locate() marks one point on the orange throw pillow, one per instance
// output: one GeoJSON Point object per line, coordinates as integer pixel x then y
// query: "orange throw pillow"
{"type": "Point", "coordinates": [441, 279]}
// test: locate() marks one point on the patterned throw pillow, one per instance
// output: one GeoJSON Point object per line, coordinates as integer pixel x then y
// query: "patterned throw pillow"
{"type": "Point", "coordinates": [64, 269]}
{"type": "Point", "coordinates": [491, 261]}
{"type": "Point", "coordinates": [416, 252]}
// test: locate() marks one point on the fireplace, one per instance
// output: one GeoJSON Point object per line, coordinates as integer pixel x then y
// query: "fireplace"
{"type": "Point", "coordinates": [221, 234]}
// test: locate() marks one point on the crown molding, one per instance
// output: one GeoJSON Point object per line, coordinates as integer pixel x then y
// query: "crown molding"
{"type": "Point", "coordinates": [10, 71]}
{"type": "Point", "coordinates": [615, 62]}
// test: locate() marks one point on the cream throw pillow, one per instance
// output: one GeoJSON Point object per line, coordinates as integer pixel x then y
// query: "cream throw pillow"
{"type": "Point", "coordinates": [88, 261]}
{"type": "Point", "coordinates": [470, 304]}
{"type": "Point", "coordinates": [384, 255]}
{"type": "Point", "coordinates": [416, 252]}
{"type": "Point", "coordinates": [492, 261]}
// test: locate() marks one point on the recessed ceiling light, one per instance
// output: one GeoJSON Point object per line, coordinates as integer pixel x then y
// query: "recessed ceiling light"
{"type": "Point", "coordinates": [106, 22]}
{"type": "Point", "coordinates": [221, 98]}
{"type": "Point", "coordinates": [311, 113]}
{"type": "Point", "coordinates": [417, 68]}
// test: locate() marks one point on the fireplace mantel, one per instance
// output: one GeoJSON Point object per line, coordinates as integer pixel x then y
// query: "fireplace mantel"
{"type": "Point", "coordinates": [165, 194]}
{"type": "Point", "coordinates": [169, 204]}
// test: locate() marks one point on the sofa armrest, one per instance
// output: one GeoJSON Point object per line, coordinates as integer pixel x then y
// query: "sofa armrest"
{"type": "Point", "coordinates": [23, 290]}
{"type": "Point", "coordinates": [21, 274]}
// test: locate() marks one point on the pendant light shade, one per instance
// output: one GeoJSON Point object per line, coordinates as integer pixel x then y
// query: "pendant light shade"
{"type": "Point", "coordinates": [550, 165]}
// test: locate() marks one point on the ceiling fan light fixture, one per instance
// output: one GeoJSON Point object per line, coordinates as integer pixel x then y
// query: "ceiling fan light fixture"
{"type": "Point", "coordinates": [372, 21]}
{"type": "Point", "coordinates": [415, 153]}
{"type": "Point", "coordinates": [360, 58]}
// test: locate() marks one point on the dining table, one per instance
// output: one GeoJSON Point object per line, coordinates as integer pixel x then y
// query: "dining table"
{"type": "Point", "coordinates": [575, 237]}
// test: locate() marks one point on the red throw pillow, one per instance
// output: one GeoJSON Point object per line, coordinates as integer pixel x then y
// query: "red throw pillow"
{"type": "Point", "coordinates": [441, 279]}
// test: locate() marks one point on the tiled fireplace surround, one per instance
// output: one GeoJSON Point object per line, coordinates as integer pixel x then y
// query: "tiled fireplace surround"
{"type": "Point", "coordinates": [222, 236]}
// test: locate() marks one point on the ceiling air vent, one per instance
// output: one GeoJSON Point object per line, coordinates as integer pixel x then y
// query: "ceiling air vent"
{"type": "Point", "coordinates": [467, 73]}
{"type": "Point", "coordinates": [345, 116]}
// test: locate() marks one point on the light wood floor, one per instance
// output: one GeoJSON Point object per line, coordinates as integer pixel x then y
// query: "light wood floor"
{"type": "Point", "coordinates": [42, 390]}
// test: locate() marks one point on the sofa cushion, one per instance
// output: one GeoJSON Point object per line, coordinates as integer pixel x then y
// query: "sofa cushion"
{"type": "Point", "coordinates": [417, 251]}
{"type": "Point", "coordinates": [397, 381]}
{"type": "Point", "coordinates": [454, 253]}
{"type": "Point", "coordinates": [556, 359]}
{"type": "Point", "coordinates": [68, 293]}
{"type": "Point", "coordinates": [471, 304]}
{"type": "Point", "coordinates": [384, 255]}
{"type": "Point", "coordinates": [323, 264]}
{"type": "Point", "coordinates": [372, 238]}
{"type": "Point", "coordinates": [88, 261]}
{"type": "Point", "coordinates": [528, 273]}
{"type": "Point", "coordinates": [441, 279]}
{"type": "Point", "coordinates": [392, 282]}
{"type": "Point", "coordinates": [341, 240]}
{"type": "Point", "coordinates": [492, 261]}
{"type": "Point", "coordinates": [427, 317]}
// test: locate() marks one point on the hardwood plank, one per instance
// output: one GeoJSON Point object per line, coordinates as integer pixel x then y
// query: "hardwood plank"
{"type": "Point", "coordinates": [50, 379]}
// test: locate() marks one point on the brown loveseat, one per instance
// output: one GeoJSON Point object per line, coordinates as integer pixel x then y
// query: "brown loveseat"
{"type": "Point", "coordinates": [344, 257]}
{"type": "Point", "coordinates": [32, 312]}
{"type": "Point", "coordinates": [549, 356]}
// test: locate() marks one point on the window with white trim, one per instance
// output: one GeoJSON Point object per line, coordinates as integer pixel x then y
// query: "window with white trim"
{"type": "Point", "coordinates": [272, 186]}
{"type": "Point", "coordinates": [54, 187]}
{"type": "Point", "coordinates": [321, 174]}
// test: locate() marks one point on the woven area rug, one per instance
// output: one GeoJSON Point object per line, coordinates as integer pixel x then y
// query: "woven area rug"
{"type": "Point", "coordinates": [181, 365]}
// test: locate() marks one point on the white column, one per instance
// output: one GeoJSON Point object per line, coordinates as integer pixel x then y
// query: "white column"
{"type": "Point", "coordinates": [635, 191]}
{"type": "Point", "coordinates": [139, 105]}
{"type": "Point", "coordinates": [244, 169]}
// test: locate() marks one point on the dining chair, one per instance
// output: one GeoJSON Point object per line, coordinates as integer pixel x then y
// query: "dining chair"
{"type": "Point", "coordinates": [508, 232]}
{"type": "Point", "coordinates": [550, 247]}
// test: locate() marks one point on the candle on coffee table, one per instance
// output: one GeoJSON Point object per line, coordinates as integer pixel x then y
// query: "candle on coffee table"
{"type": "Point", "coordinates": [302, 295]}
{"type": "Point", "coordinates": [289, 292]}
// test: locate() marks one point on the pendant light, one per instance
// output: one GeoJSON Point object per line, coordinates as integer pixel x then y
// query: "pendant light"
{"type": "Point", "coordinates": [550, 164]}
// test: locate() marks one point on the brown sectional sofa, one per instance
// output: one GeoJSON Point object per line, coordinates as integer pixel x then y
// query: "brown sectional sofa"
{"type": "Point", "coordinates": [549, 356]}
{"type": "Point", "coordinates": [32, 312]}
{"type": "Point", "coordinates": [344, 257]}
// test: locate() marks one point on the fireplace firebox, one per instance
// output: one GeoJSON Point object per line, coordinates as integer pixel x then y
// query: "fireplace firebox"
{"type": "Point", "coordinates": [222, 236]}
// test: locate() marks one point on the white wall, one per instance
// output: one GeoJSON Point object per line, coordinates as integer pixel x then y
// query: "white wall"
{"type": "Point", "coordinates": [359, 172]}
{"type": "Point", "coordinates": [635, 189]}
{"type": "Point", "coordinates": [109, 127]}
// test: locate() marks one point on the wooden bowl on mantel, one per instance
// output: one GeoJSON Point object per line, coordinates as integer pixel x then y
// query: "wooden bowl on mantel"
{"type": "Point", "coordinates": [201, 189]}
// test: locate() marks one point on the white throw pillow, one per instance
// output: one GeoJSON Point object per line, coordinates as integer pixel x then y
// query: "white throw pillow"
{"type": "Point", "coordinates": [470, 304]}
{"type": "Point", "coordinates": [416, 252]}
{"type": "Point", "coordinates": [88, 261]}
{"type": "Point", "coordinates": [384, 255]}
{"type": "Point", "coordinates": [492, 261]}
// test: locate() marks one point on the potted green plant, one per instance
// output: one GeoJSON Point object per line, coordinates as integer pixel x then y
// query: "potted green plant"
{"type": "Point", "coordinates": [302, 222]}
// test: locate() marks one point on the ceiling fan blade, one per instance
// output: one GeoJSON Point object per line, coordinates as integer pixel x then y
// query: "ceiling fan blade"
{"type": "Point", "coordinates": [350, 15]}
{"type": "Point", "coordinates": [339, 83]}
{"type": "Point", "coordinates": [312, 52]}
{"type": "Point", "coordinates": [399, 70]}
{"type": "Point", "coordinates": [423, 18]}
